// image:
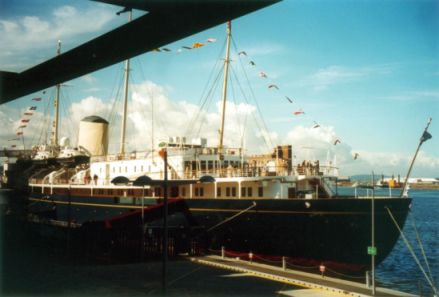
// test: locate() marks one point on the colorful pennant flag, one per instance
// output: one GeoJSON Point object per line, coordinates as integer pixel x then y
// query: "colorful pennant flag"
{"type": "Point", "coordinates": [37, 98]}
{"type": "Point", "coordinates": [25, 120]}
{"type": "Point", "coordinates": [197, 45]}
{"type": "Point", "coordinates": [273, 87]}
{"type": "Point", "coordinates": [262, 74]}
{"type": "Point", "coordinates": [299, 112]}
{"type": "Point", "coordinates": [33, 108]}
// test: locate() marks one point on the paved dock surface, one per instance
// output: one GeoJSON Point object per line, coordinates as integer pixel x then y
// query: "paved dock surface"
{"type": "Point", "coordinates": [325, 285]}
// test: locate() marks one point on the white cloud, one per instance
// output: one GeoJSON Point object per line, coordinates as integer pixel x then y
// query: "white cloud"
{"type": "Point", "coordinates": [335, 74]}
{"type": "Point", "coordinates": [175, 118]}
{"type": "Point", "coordinates": [20, 38]}
{"type": "Point", "coordinates": [89, 79]}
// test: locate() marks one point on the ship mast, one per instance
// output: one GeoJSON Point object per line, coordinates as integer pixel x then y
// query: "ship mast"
{"type": "Point", "coordinates": [125, 102]}
{"type": "Point", "coordinates": [224, 98]}
{"type": "Point", "coordinates": [56, 105]}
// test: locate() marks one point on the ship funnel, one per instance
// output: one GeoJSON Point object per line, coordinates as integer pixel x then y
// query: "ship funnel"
{"type": "Point", "coordinates": [93, 135]}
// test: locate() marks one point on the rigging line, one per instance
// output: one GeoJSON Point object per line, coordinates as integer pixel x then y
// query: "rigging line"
{"type": "Point", "coordinates": [45, 122]}
{"type": "Point", "coordinates": [241, 123]}
{"type": "Point", "coordinates": [410, 248]}
{"type": "Point", "coordinates": [212, 72]}
{"type": "Point", "coordinates": [253, 96]}
{"type": "Point", "coordinates": [191, 123]}
{"type": "Point", "coordinates": [66, 102]}
{"type": "Point", "coordinates": [263, 129]}
{"type": "Point", "coordinates": [421, 245]}
{"type": "Point", "coordinates": [207, 101]}
{"type": "Point", "coordinates": [232, 217]}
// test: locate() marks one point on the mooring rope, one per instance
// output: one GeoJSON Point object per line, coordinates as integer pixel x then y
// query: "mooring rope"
{"type": "Point", "coordinates": [232, 217]}
{"type": "Point", "coordinates": [421, 246]}
{"type": "Point", "coordinates": [410, 248]}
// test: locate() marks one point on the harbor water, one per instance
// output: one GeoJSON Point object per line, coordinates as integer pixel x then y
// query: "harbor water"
{"type": "Point", "coordinates": [36, 266]}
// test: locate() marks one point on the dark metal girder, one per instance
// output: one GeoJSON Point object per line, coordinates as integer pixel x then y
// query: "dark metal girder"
{"type": "Point", "coordinates": [165, 22]}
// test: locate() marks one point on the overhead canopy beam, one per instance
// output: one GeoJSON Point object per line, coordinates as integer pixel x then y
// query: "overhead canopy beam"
{"type": "Point", "coordinates": [165, 22]}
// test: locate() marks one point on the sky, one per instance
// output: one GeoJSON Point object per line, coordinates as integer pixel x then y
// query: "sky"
{"type": "Point", "coordinates": [363, 72]}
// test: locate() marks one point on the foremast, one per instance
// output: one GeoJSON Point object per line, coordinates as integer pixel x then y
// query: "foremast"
{"type": "Point", "coordinates": [125, 102]}
{"type": "Point", "coordinates": [56, 105]}
{"type": "Point", "coordinates": [224, 95]}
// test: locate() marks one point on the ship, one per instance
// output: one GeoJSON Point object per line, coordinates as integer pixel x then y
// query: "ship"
{"type": "Point", "coordinates": [262, 203]}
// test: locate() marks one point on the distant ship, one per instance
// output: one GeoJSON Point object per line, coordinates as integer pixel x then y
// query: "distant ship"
{"type": "Point", "coordinates": [264, 204]}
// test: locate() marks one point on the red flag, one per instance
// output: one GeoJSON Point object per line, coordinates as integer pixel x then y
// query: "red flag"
{"type": "Point", "coordinates": [299, 112]}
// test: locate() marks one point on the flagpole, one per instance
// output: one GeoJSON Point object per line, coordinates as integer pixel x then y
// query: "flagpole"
{"type": "Point", "coordinates": [421, 141]}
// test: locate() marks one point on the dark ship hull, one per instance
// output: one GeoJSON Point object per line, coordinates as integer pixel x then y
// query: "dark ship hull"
{"type": "Point", "coordinates": [336, 230]}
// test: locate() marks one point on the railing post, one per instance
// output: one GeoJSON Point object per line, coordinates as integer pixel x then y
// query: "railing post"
{"type": "Point", "coordinates": [284, 263]}
{"type": "Point", "coordinates": [223, 253]}
{"type": "Point", "coordinates": [367, 279]}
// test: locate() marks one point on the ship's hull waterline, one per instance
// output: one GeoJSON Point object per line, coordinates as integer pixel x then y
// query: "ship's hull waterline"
{"type": "Point", "coordinates": [321, 230]}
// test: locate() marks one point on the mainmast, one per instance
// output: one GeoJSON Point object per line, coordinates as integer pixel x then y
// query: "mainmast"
{"type": "Point", "coordinates": [56, 105]}
{"type": "Point", "coordinates": [125, 103]}
{"type": "Point", "coordinates": [226, 73]}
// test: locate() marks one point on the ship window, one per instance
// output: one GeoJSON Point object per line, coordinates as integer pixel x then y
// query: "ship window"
{"type": "Point", "coordinates": [260, 191]}
{"type": "Point", "coordinates": [250, 191]}
{"type": "Point", "coordinates": [183, 192]}
{"type": "Point", "coordinates": [196, 192]}
{"type": "Point", "coordinates": [130, 192]}
{"type": "Point", "coordinates": [114, 169]}
{"type": "Point", "coordinates": [158, 191]}
{"type": "Point", "coordinates": [218, 191]}
{"type": "Point", "coordinates": [226, 163]}
{"type": "Point", "coordinates": [141, 168]}
{"type": "Point", "coordinates": [233, 192]}
{"type": "Point", "coordinates": [100, 170]}
{"type": "Point", "coordinates": [126, 169]}
{"type": "Point", "coordinates": [243, 192]}
{"type": "Point", "coordinates": [135, 169]}
{"type": "Point", "coordinates": [116, 200]}
{"type": "Point", "coordinates": [120, 169]}
{"type": "Point", "coordinates": [201, 192]}
{"type": "Point", "coordinates": [110, 192]}
{"type": "Point", "coordinates": [228, 192]}
{"type": "Point", "coordinates": [209, 164]}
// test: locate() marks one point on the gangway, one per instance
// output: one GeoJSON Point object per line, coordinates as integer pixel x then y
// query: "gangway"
{"type": "Point", "coordinates": [332, 286]}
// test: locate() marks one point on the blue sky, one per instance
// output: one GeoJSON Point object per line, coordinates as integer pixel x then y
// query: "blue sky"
{"type": "Point", "coordinates": [366, 71]}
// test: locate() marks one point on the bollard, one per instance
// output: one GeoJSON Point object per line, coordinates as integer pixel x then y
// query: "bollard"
{"type": "Point", "coordinates": [222, 252]}
{"type": "Point", "coordinates": [284, 264]}
{"type": "Point", "coordinates": [367, 279]}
